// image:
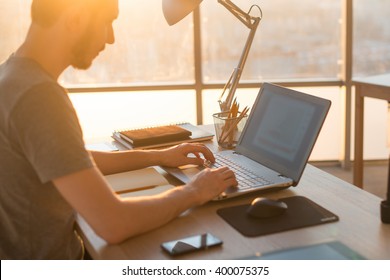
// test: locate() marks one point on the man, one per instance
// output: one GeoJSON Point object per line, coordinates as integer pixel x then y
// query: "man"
{"type": "Point", "coordinates": [46, 175]}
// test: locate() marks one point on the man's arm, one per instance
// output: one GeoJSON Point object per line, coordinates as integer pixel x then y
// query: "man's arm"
{"type": "Point", "coordinates": [116, 219]}
{"type": "Point", "coordinates": [115, 162]}
{"type": "Point", "coordinates": [121, 161]}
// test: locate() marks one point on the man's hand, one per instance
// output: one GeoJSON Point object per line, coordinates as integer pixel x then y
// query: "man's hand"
{"type": "Point", "coordinates": [209, 183]}
{"type": "Point", "coordinates": [187, 153]}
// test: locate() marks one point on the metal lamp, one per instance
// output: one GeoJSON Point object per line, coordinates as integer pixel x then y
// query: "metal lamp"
{"type": "Point", "coordinates": [176, 10]}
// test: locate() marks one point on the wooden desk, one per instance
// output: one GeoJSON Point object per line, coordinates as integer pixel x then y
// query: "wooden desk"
{"type": "Point", "coordinates": [375, 87]}
{"type": "Point", "coordinates": [359, 226]}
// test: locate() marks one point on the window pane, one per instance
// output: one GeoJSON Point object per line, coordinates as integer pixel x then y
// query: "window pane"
{"type": "Point", "coordinates": [296, 39]}
{"type": "Point", "coordinates": [102, 113]}
{"type": "Point", "coordinates": [147, 49]}
{"type": "Point", "coordinates": [371, 37]}
{"type": "Point", "coordinates": [14, 22]}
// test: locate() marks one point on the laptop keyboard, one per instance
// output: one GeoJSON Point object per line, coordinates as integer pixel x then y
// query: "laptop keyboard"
{"type": "Point", "coordinates": [246, 179]}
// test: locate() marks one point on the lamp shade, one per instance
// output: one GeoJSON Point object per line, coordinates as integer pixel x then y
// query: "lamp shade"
{"type": "Point", "coordinates": [176, 10]}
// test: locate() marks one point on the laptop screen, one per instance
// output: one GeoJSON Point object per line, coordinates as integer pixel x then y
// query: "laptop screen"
{"type": "Point", "coordinates": [282, 129]}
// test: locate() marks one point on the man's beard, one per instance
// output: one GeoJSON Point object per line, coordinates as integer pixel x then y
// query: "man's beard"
{"type": "Point", "coordinates": [81, 51]}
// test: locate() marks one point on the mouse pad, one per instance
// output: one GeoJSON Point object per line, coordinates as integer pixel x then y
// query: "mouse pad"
{"type": "Point", "coordinates": [301, 212]}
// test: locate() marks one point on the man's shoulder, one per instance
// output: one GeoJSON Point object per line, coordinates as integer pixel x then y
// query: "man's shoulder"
{"type": "Point", "coordinates": [19, 77]}
{"type": "Point", "coordinates": [19, 72]}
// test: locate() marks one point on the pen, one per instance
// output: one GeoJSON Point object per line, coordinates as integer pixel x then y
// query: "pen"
{"type": "Point", "coordinates": [137, 189]}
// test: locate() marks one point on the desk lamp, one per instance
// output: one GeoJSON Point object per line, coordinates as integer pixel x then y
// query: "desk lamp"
{"type": "Point", "coordinates": [176, 10]}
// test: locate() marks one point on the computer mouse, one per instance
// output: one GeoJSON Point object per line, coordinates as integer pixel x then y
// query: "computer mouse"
{"type": "Point", "coordinates": [262, 207]}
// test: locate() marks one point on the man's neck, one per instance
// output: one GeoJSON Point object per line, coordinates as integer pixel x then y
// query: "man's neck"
{"type": "Point", "coordinates": [41, 46]}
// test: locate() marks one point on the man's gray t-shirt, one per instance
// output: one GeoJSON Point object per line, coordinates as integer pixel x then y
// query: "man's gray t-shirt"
{"type": "Point", "coordinates": [40, 140]}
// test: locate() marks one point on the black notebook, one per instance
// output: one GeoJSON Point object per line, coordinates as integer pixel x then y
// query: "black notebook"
{"type": "Point", "coordinates": [155, 135]}
{"type": "Point", "coordinates": [161, 136]}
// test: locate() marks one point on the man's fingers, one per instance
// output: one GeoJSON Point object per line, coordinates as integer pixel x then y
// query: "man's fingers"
{"type": "Point", "coordinates": [198, 148]}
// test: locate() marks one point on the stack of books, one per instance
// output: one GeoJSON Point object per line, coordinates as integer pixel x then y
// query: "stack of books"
{"type": "Point", "coordinates": [161, 136]}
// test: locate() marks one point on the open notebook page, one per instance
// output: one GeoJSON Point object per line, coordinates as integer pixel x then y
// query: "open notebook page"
{"type": "Point", "coordinates": [143, 180]}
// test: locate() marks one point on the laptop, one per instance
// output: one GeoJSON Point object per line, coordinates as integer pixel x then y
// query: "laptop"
{"type": "Point", "coordinates": [274, 145]}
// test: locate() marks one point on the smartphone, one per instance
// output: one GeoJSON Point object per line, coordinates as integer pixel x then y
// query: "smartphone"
{"type": "Point", "coordinates": [191, 243]}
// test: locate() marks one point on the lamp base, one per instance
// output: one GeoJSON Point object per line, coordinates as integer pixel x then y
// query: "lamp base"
{"type": "Point", "coordinates": [385, 211]}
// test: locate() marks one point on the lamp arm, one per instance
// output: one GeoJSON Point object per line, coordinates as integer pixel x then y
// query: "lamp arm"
{"type": "Point", "coordinates": [244, 17]}
{"type": "Point", "coordinates": [252, 23]}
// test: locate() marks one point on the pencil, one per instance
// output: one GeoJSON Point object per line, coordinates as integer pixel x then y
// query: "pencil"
{"type": "Point", "coordinates": [234, 124]}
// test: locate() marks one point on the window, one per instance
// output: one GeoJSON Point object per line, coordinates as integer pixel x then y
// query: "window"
{"type": "Point", "coordinates": [298, 42]}
{"type": "Point", "coordinates": [14, 22]}
{"type": "Point", "coordinates": [371, 54]}
{"type": "Point", "coordinates": [147, 50]}
{"type": "Point", "coordinates": [295, 40]}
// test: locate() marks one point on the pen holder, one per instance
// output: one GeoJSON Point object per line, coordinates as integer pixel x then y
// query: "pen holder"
{"type": "Point", "coordinates": [228, 129]}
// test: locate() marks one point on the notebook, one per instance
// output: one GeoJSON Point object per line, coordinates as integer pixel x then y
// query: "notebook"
{"type": "Point", "coordinates": [155, 135]}
{"type": "Point", "coordinates": [275, 144]}
{"type": "Point", "coordinates": [195, 134]}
